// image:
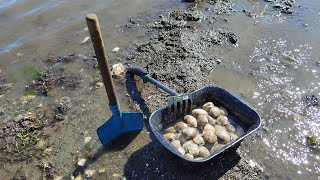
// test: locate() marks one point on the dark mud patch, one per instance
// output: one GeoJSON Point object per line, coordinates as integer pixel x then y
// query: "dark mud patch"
{"type": "Point", "coordinates": [284, 6]}
{"type": "Point", "coordinates": [176, 51]}
{"type": "Point", "coordinates": [22, 137]}
{"type": "Point", "coordinates": [46, 82]}
{"type": "Point", "coordinates": [220, 7]}
{"type": "Point", "coordinates": [4, 88]}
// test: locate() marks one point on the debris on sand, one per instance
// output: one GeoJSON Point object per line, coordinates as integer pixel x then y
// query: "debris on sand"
{"type": "Point", "coordinates": [85, 40]}
{"type": "Point", "coordinates": [82, 162]}
{"type": "Point", "coordinates": [47, 81]}
{"type": "Point", "coordinates": [4, 88]}
{"type": "Point", "coordinates": [48, 171]}
{"type": "Point", "coordinates": [116, 49]}
{"type": "Point", "coordinates": [56, 62]}
{"type": "Point", "coordinates": [118, 70]}
{"type": "Point", "coordinates": [22, 137]}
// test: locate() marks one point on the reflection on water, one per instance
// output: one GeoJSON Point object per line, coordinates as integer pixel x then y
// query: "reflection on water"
{"type": "Point", "coordinates": [6, 3]}
{"type": "Point", "coordinates": [277, 66]}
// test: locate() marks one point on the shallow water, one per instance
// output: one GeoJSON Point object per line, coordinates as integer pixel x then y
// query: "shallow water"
{"type": "Point", "coordinates": [276, 84]}
{"type": "Point", "coordinates": [262, 66]}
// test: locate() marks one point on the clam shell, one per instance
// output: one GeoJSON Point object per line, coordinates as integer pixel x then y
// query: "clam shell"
{"type": "Point", "coordinates": [211, 120]}
{"type": "Point", "coordinates": [197, 112]}
{"type": "Point", "coordinates": [202, 120]}
{"type": "Point", "coordinates": [210, 137]}
{"type": "Point", "coordinates": [216, 147]}
{"type": "Point", "coordinates": [188, 156]}
{"type": "Point", "coordinates": [169, 136]}
{"type": "Point", "coordinates": [170, 130]}
{"type": "Point", "coordinates": [181, 138]}
{"type": "Point", "coordinates": [187, 143]}
{"type": "Point", "coordinates": [239, 131]}
{"type": "Point", "coordinates": [191, 121]}
{"type": "Point", "coordinates": [223, 136]}
{"type": "Point", "coordinates": [179, 126]}
{"type": "Point", "coordinates": [214, 112]}
{"type": "Point", "coordinates": [230, 128]}
{"type": "Point", "coordinates": [191, 147]}
{"type": "Point", "coordinates": [190, 132]}
{"type": "Point", "coordinates": [203, 152]}
{"type": "Point", "coordinates": [219, 127]}
{"type": "Point", "coordinates": [198, 140]}
{"type": "Point", "coordinates": [177, 135]}
{"type": "Point", "coordinates": [207, 106]}
{"type": "Point", "coordinates": [176, 144]}
{"type": "Point", "coordinates": [209, 145]}
{"type": "Point", "coordinates": [223, 111]}
{"type": "Point", "coordinates": [181, 150]}
{"type": "Point", "coordinates": [233, 136]}
{"type": "Point", "coordinates": [208, 127]}
{"type": "Point", "coordinates": [222, 120]}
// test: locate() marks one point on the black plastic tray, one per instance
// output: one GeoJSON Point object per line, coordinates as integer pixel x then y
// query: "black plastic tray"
{"type": "Point", "coordinates": [240, 111]}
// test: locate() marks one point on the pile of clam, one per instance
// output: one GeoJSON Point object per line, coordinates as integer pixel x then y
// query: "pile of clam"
{"type": "Point", "coordinates": [205, 131]}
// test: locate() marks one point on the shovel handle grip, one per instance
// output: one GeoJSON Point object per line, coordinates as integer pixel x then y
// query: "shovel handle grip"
{"type": "Point", "coordinates": [98, 45]}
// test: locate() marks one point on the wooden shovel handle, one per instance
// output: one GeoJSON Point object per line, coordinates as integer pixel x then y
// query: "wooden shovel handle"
{"type": "Point", "coordinates": [98, 45]}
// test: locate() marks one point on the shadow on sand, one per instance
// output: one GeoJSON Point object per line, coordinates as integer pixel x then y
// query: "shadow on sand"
{"type": "Point", "coordinates": [154, 161]}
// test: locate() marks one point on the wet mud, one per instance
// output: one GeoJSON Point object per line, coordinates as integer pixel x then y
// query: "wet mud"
{"type": "Point", "coordinates": [175, 52]}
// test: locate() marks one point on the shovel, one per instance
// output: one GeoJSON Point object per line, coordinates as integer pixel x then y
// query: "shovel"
{"type": "Point", "coordinates": [121, 124]}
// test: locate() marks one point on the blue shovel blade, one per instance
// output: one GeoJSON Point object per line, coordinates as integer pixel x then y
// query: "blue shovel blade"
{"type": "Point", "coordinates": [117, 127]}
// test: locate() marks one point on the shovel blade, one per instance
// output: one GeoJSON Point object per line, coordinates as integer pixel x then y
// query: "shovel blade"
{"type": "Point", "coordinates": [116, 127]}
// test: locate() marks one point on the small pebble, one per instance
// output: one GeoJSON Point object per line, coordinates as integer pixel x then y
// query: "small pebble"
{"type": "Point", "coordinates": [81, 162]}
{"type": "Point", "coordinates": [87, 139]}
{"type": "Point", "coordinates": [98, 85]}
{"type": "Point", "coordinates": [118, 70]}
{"type": "Point", "coordinates": [85, 40]}
{"type": "Point", "coordinates": [251, 163]}
{"type": "Point", "coordinates": [48, 151]}
{"type": "Point", "coordinates": [116, 49]}
{"type": "Point", "coordinates": [117, 175]}
{"type": "Point", "coordinates": [89, 172]}
{"type": "Point", "coordinates": [102, 170]}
